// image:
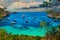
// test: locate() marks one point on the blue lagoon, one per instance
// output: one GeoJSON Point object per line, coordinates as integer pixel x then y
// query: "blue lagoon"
{"type": "Point", "coordinates": [28, 23]}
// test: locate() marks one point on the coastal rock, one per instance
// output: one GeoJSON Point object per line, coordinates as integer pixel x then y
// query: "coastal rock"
{"type": "Point", "coordinates": [3, 13]}
{"type": "Point", "coordinates": [54, 15]}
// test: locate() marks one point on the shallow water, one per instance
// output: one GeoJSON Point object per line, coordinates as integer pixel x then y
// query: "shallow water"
{"type": "Point", "coordinates": [27, 23]}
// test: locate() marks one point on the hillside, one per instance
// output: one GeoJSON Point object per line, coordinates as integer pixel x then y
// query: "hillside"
{"type": "Point", "coordinates": [22, 5]}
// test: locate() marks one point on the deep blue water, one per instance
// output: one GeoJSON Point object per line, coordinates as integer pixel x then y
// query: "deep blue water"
{"type": "Point", "coordinates": [27, 19]}
{"type": "Point", "coordinates": [30, 21]}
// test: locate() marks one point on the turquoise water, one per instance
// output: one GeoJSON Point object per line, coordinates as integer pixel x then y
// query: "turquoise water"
{"type": "Point", "coordinates": [27, 23]}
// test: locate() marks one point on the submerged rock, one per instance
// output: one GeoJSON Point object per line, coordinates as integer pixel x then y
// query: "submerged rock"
{"type": "Point", "coordinates": [34, 17]}
{"type": "Point", "coordinates": [23, 16]}
{"type": "Point", "coordinates": [27, 21]}
{"type": "Point", "coordinates": [17, 26]}
{"type": "Point", "coordinates": [14, 20]}
{"type": "Point", "coordinates": [20, 27]}
{"type": "Point", "coordinates": [12, 23]}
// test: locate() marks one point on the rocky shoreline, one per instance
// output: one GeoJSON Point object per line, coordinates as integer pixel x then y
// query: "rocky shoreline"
{"type": "Point", "coordinates": [54, 15]}
{"type": "Point", "coordinates": [3, 13]}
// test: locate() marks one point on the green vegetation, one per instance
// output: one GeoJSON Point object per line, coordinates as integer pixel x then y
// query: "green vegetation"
{"type": "Point", "coordinates": [46, 3]}
{"type": "Point", "coordinates": [54, 34]}
{"type": "Point", "coordinates": [50, 11]}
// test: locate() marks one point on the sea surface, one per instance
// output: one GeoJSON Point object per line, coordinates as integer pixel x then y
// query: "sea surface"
{"type": "Point", "coordinates": [28, 23]}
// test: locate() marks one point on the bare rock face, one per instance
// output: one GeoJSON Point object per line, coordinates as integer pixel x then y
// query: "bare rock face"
{"type": "Point", "coordinates": [3, 13]}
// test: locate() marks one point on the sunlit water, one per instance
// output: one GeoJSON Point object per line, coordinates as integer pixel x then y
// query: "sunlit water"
{"type": "Point", "coordinates": [27, 23]}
